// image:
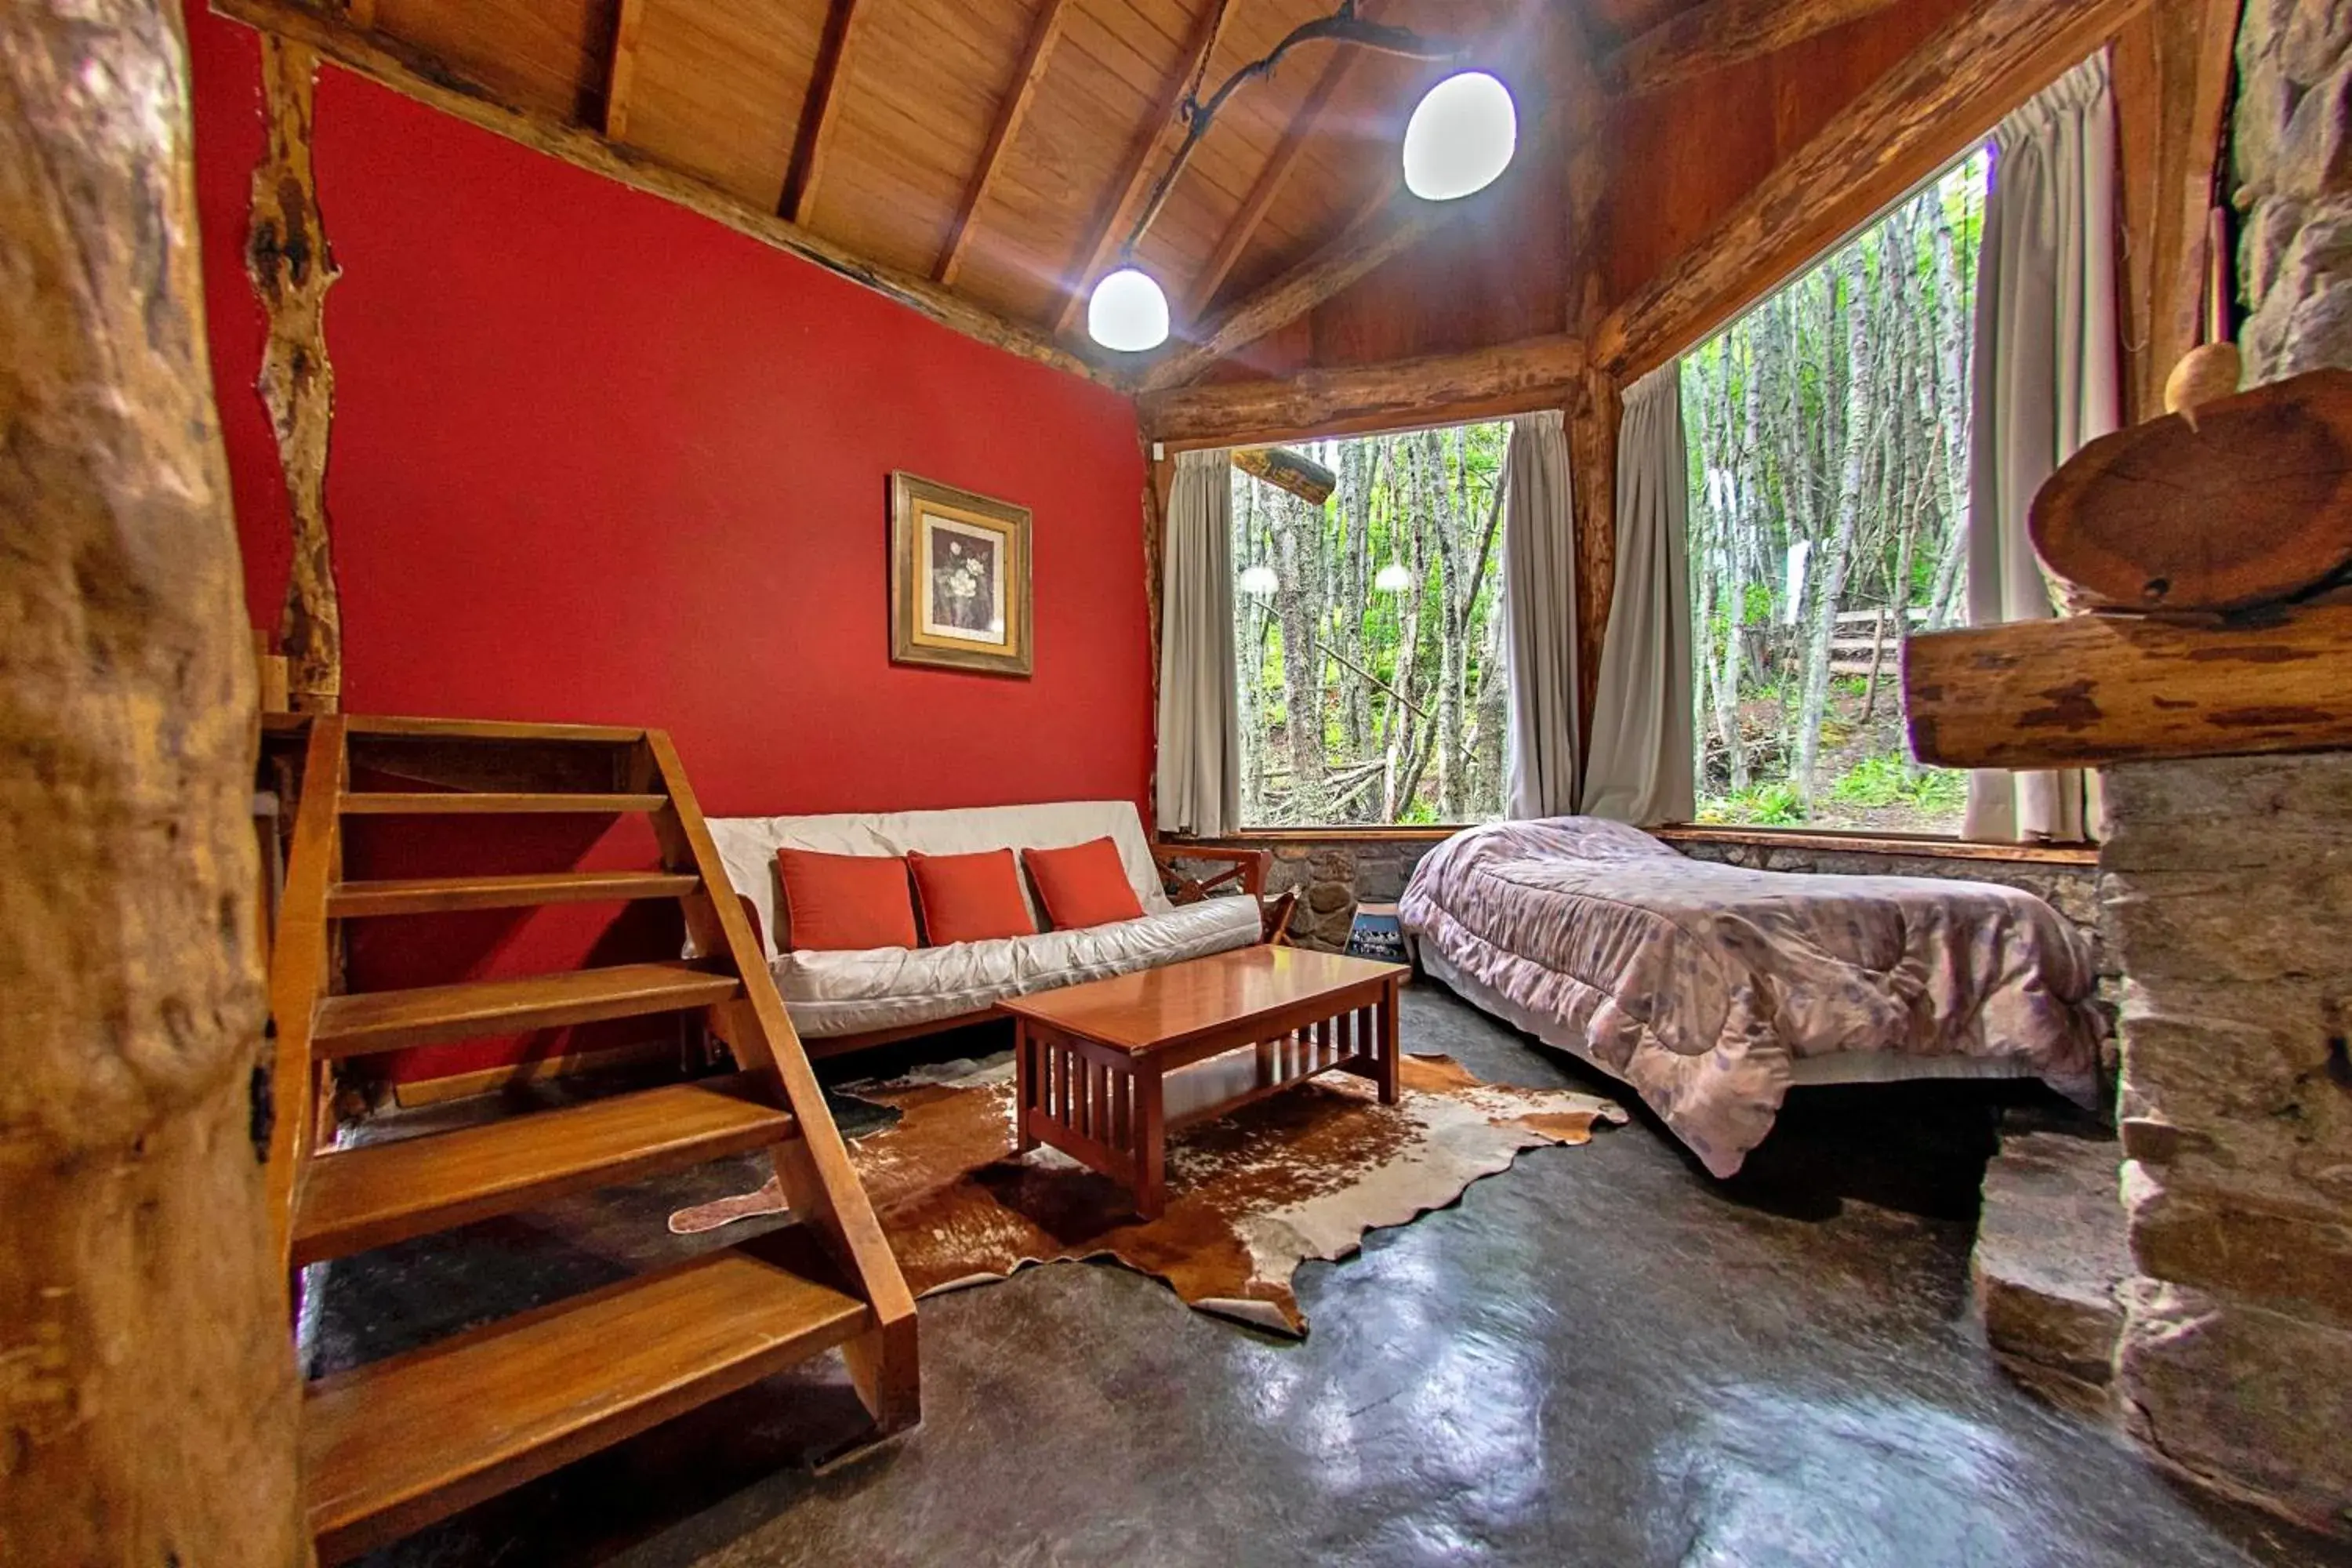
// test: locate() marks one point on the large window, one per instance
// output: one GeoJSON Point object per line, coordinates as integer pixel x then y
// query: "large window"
{"type": "Point", "coordinates": [1828, 470]}
{"type": "Point", "coordinates": [1367, 635]}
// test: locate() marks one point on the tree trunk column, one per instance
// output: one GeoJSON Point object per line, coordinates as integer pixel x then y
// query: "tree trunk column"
{"type": "Point", "coordinates": [147, 1400]}
{"type": "Point", "coordinates": [286, 256]}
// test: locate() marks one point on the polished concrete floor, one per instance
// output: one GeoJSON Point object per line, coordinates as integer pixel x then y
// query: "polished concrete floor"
{"type": "Point", "coordinates": [1601, 1356]}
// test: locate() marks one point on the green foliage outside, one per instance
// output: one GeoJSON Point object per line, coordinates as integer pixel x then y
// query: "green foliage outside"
{"type": "Point", "coordinates": [1361, 704]}
{"type": "Point", "coordinates": [1828, 433]}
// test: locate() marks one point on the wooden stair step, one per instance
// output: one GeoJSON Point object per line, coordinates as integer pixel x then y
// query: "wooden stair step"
{"type": "Point", "coordinates": [466, 803]}
{"type": "Point", "coordinates": [377, 1194]}
{"type": "Point", "coordinates": [439, 895]}
{"type": "Point", "coordinates": [391, 1020]}
{"type": "Point", "coordinates": [395, 1444]}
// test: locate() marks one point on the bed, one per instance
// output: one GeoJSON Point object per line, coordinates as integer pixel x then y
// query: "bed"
{"type": "Point", "coordinates": [1712, 989]}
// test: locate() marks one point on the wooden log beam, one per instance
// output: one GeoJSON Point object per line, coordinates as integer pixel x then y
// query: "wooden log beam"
{"type": "Point", "coordinates": [1389, 230]}
{"type": "Point", "coordinates": [1145, 152]}
{"type": "Point", "coordinates": [1541, 373]}
{"type": "Point", "coordinates": [819, 111]}
{"type": "Point", "coordinates": [1044, 31]}
{"type": "Point", "coordinates": [418, 75]}
{"type": "Point", "coordinates": [1286, 469]}
{"type": "Point", "coordinates": [1390, 224]}
{"type": "Point", "coordinates": [288, 258]}
{"type": "Point", "coordinates": [621, 69]}
{"type": "Point", "coordinates": [1720, 33]}
{"type": "Point", "coordinates": [1201, 292]}
{"type": "Point", "coordinates": [1963, 79]}
{"type": "Point", "coordinates": [2090, 689]}
{"type": "Point", "coordinates": [148, 1404]}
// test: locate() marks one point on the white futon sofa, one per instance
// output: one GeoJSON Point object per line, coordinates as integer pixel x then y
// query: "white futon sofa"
{"type": "Point", "coordinates": [843, 1001]}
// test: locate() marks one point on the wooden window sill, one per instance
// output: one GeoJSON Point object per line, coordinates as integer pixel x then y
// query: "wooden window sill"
{"type": "Point", "coordinates": [1881, 844]}
{"type": "Point", "coordinates": [1821, 839]}
{"type": "Point", "coordinates": [1348, 835]}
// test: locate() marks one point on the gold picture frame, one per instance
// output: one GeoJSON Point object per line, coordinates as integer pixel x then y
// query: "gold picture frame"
{"type": "Point", "coordinates": [959, 594]}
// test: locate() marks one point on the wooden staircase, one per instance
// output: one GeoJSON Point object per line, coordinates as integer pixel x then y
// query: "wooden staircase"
{"type": "Point", "coordinates": [396, 1444]}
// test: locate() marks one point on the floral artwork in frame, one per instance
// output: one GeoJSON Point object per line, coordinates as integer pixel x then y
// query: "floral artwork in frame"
{"type": "Point", "coordinates": [959, 579]}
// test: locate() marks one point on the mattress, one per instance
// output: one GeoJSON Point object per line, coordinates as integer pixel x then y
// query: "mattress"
{"type": "Point", "coordinates": [1713, 989]}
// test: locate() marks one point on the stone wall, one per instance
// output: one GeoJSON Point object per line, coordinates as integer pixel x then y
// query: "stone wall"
{"type": "Point", "coordinates": [2292, 158]}
{"type": "Point", "coordinates": [2227, 885]}
{"type": "Point", "coordinates": [1333, 875]}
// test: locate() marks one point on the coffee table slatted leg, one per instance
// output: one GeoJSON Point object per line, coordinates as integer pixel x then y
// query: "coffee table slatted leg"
{"type": "Point", "coordinates": [1388, 1043]}
{"type": "Point", "coordinates": [1149, 1146]}
{"type": "Point", "coordinates": [1026, 1098]}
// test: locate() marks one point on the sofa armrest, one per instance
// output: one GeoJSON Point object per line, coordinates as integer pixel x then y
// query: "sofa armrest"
{"type": "Point", "coordinates": [1247, 866]}
{"type": "Point", "coordinates": [751, 915]}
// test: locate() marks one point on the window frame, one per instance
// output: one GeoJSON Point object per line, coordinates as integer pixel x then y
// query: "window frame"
{"type": "Point", "coordinates": [1360, 832]}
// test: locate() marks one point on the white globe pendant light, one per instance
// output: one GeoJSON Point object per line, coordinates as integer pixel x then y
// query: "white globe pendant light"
{"type": "Point", "coordinates": [1396, 577]}
{"type": "Point", "coordinates": [1128, 312]}
{"type": "Point", "coordinates": [1461, 138]}
{"type": "Point", "coordinates": [1259, 582]}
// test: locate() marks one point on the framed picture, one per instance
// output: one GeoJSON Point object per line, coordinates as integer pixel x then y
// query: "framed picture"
{"type": "Point", "coordinates": [959, 579]}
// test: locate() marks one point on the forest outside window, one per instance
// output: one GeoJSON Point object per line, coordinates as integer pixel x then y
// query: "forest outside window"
{"type": "Point", "coordinates": [1368, 635]}
{"type": "Point", "coordinates": [1828, 433]}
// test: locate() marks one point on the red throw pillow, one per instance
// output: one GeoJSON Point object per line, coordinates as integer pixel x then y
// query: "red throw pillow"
{"type": "Point", "coordinates": [969, 898]}
{"type": "Point", "coordinates": [836, 904]}
{"type": "Point", "coordinates": [1083, 885]}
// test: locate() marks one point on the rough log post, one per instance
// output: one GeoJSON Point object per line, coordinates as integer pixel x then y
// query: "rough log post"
{"type": "Point", "coordinates": [147, 1387]}
{"type": "Point", "coordinates": [286, 256]}
{"type": "Point", "coordinates": [1593, 426]}
{"type": "Point", "coordinates": [1592, 401]}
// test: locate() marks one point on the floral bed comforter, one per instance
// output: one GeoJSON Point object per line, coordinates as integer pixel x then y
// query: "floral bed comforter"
{"type": "Point", "coordinates": [1699, 984]}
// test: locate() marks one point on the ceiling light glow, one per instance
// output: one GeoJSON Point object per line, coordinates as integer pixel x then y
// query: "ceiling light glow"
{"type": "Point", "coordinates": [1128, 312]}
{"type": "Point", "coordinates": [1461, 138]}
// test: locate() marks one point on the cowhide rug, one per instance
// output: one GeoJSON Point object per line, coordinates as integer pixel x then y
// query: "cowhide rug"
{"type": "Point", "coordinates": [1250, 1196]}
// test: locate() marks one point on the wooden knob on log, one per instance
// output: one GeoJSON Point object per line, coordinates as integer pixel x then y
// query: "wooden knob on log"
{"type": "Point", "coordinates": [2250, 505]}
{"type": "Point", "coordinates": [2205, 373]}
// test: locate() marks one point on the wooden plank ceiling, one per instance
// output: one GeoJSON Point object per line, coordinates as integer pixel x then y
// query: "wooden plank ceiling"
{"type": "Point", "coordinates": [998, 148]}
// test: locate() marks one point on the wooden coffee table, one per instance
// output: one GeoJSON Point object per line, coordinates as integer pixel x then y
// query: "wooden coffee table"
{"type": "Point", "coordinates": [1108, 1069]}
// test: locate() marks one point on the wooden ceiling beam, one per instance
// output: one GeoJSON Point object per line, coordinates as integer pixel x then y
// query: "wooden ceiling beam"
{"type": "Point", "coordinates": [1201, 291]}
{"type": "Point", "coordinates": [1043, 33]}
{"type": "Point", "coordinates": [1539, 373]}
{"type": "Point", "coordinates": [819, 112]}
{"type": "Point", "coordinates": [1144, 154]}
{"type": "Point", "coordinates": [414, 73]}
{"type": "Point", "coordinates": [621, 71]}
{"type": "Point", "coordinates": [1722, 33]}
{"type": "Point", "coordinates": [1961, 80]}
{"type": "Point", "coordinates": [1397, 224]}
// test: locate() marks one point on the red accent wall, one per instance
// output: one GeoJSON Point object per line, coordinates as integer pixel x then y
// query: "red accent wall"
{"type": "Point", "coordinates": [596, 458]}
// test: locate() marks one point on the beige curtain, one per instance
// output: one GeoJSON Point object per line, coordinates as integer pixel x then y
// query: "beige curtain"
{"type": "Point", "coordinates": [2046, 382]}
{"type": "Point", "coordinates": [1539, 618]}
{"type": "Point", "coordinates": [1200, 716]}
{"type": "Point", "coordinates": [1640, 767]}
